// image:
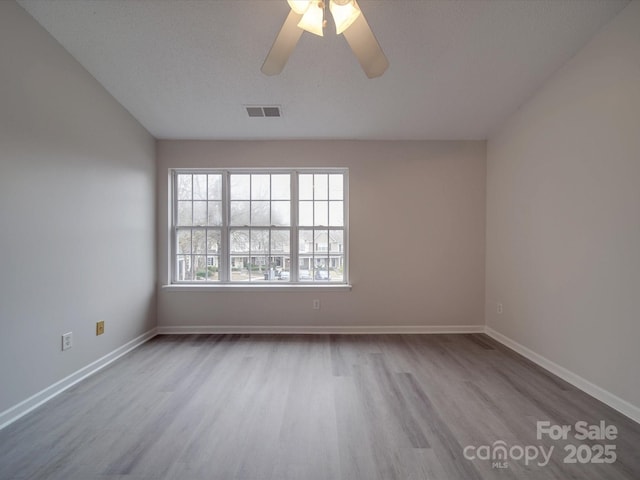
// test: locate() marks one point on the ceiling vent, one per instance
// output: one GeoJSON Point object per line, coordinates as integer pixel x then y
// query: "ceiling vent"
{"type": "Point", "coordinates": [263, 111]}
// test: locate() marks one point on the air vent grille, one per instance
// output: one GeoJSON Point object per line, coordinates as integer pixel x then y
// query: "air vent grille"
{"type": "Point", "coordinates": [263, 111]}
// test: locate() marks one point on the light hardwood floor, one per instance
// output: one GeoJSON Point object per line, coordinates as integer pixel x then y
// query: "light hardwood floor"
{"type": "Point", "coordinates": [326, 407]}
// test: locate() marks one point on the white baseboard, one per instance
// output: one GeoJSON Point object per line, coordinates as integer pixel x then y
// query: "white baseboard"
{"type": "Point", "coordinates": [313, 329]}
{"type": "Point", "coordinates": [586, 386]}
{"type": "Point", "coordinates": [14, 413]}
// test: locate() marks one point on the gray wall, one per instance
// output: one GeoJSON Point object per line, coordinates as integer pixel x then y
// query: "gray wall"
{"type": "Point", "coordinates": [417, 230]}
{"type": "Point", "coordinates": [77, 214]}
{"type": "Point", "coordinates": [563, 215]}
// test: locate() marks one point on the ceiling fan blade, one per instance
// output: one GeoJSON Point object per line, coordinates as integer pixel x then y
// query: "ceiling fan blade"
{"type": "Point", "coordinates": [366, 48]}
{"type": "Point", "coordinates": [283, 45]}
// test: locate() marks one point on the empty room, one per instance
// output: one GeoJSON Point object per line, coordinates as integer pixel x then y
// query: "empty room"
{"type": "Point", "coordinates": [319, 239]}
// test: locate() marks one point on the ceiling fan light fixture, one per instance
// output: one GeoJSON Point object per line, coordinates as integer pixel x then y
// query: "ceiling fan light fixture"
{"type": "Point", "coordinates": [313, 19]}
{"type": "Point", "coordinates": [349, 20]}
{"type": "Point", "coordinates": [299, 6]}
{"type": "Point", "coordinates": [344, 12]}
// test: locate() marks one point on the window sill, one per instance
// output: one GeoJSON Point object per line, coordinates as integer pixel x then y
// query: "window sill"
{"type": "Point", "coordinates": [234, 287]}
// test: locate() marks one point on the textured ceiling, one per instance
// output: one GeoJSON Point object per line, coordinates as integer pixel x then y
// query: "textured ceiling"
{"type": "Point", "coordinates": [458, 69]}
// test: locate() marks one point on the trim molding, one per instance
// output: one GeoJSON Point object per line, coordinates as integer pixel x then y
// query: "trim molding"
{"type": "Point", "coordinates": [320, 329]}
{"type": "Point", "coordinates": [14, 413]}
{"type": "Point", "coordinates": [586, 386]}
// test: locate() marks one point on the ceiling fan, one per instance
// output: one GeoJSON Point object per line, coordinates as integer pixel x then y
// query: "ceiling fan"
{"type": "Point", "coordinates": [309, 15]}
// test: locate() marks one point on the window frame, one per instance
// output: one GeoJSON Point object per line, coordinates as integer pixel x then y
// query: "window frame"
{"type": "Point", "coordinates": [225, 255]}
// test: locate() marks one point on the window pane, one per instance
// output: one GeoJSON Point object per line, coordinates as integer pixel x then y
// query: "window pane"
{"type": "Point", "coordinates": [280, 187]}
{"type": "Point", "coordinates": [200, 267]}
{"type": "Point", "coordinates": [276, 266]}
{"type": "Point", "coordinates": [213, 241]}
{"type": "Point", "coordinates": [240, 241]}
{"type": "Point", "coordinates": [200, 213]}
{"type": "Point", "coordinates": [239, 268]}
{"type": "Point", "coordinates": [239, 187]}
{"type": "Point", "coordinates": [336, 255]}
{"type": "Point", "coordinates": [282, 266]}
{"type": "Point", "coordinates": [281, 214]}
{"type": "Point", "coordinates": [183, 268]}
{"type": "Point", "coordinates": [215, 213]}
{"type": "Point", "coordinates": [305, 213]}
{"type": "Point", "coordinates": [260, 213]}
{"type": "Point", "coordinates": [280, 242]}
{"type": "Point", "coordinates": [198, 240]}
{"type": "Point", "coordinates": [305, 187]}
{"type": "Point", "coordinates": [239, 213]}
{"type": "Point", "coordinates": [336, 214]}
{"type": "Point", "coordinates": [321, 270]}
{"type": "Point", "coordinates": [260, 188]}
{"type": "Point", "coordinates": [305, 266]}
{"type": "Point", "coordinates": [199, 187]}
{"type": "Point", "coordinates": [259, 241]}
{"type": "Point", "coordinates": [321, 214]}
{"type": "Point", "coordinates": [259, 269]}
{"type": "Point", "coordinates": [321, 242]}
{"type": "Point", "coordinates": [184, 213]}
{"type": "Point", "coordinates": [184, 241]}
{"type": "Point", "coordinates": [213, 266]}
{"type": "Point", "coordinates": [305, 241]}
{"type": "Point", "coordinates": [184, 187]}
{"type": "Point", "coordinates": [305, 257]}
{"type": "Point", "coordinates": [336, 268]}
{"type": "Point", "coordinates": [336, 241]}
{"type": "Point", "coordinates": [336, 187]}
{"type": "Point", "coordinates": [215, 187]}
{"type": "Point", "coordinates": [320, 187]}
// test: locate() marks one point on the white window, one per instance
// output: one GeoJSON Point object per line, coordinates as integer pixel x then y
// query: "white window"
{"type": "Point", "coordinates": [259, 226]}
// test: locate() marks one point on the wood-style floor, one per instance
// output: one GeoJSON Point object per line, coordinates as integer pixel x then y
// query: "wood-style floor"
{"type": "Point", "coordinates": [279, 407]}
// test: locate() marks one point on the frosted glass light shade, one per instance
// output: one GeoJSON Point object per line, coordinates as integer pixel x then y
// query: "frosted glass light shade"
{"type": "Point", "coordinates": [299, 6]}
{"type": "Point", "coordinates": [344, 12]}
{"type": "Point", "coordinates": [313, 19]}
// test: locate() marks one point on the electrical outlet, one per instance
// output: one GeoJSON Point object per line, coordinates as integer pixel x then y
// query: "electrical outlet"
{"type": "Point", "coordinates": [499, 308]}
{"type": "Point", "coordinates": [100, 327]}
{"type": "Point", "coordinates": [67, 341]}
{"type": "Point", "coordinates": [316, 304]}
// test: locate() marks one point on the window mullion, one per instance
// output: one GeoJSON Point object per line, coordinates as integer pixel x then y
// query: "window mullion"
{"type": "Point", "coordinates": [191, 223]}
{"type": "Point", "coordinates": [225, 259]}
{"type": "Point", "coordinates": [312, 267]}
{"type": "Point", "coordinates": [269, 253]}
{"type": "Point", "coordinates": [293, 242]}
{"type": "Point", "coordinates": [270, 229]}
{"type": "Point", "coordinates": [345, 226]}
{"type": "Point", "coordinates": [173, 263]}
